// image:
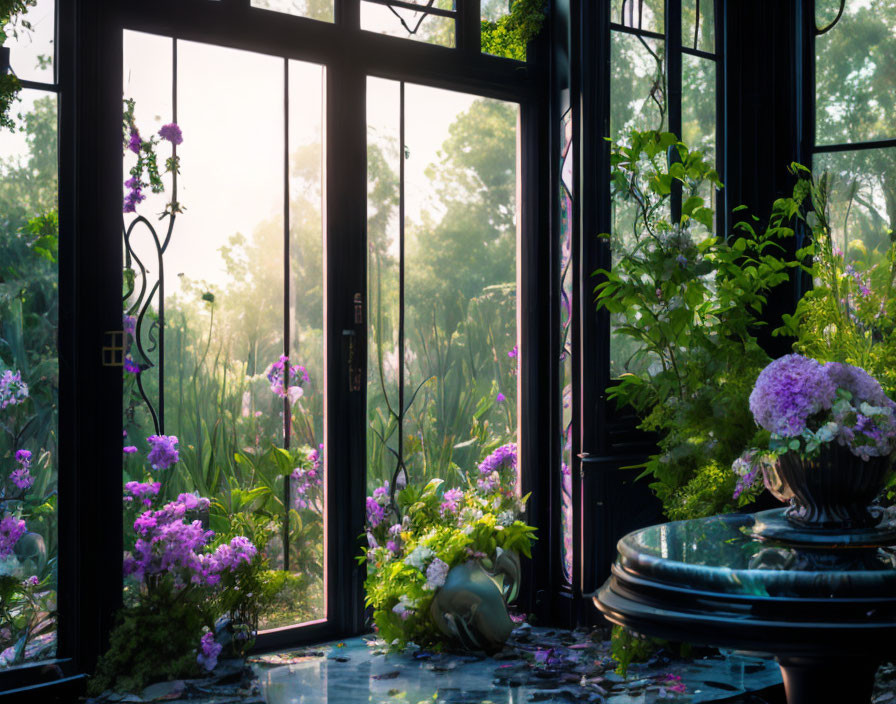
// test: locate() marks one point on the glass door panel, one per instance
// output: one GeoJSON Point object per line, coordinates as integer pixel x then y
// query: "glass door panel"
{"type": "Point", "coordinates": [29, 381]}
{"type": "Point", "coordinates": [223, 304]}
{"type": "Point", "coordinates": [442, 280]}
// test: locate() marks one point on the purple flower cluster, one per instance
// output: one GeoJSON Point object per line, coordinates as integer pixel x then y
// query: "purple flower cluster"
{"type": "Point", "coordinates": [451, 501]}
{"type": "Point", "coordinates": [170, 546]}
{"type": "Point", "coordinates": [134, 196]}
{"type": "Point", "coordinates": [229, 556]}
{"type": "Point", "coordinates": [860, 282]}
{"type": "Point", "coordinates": [307, 480]}
{"type": "Point", "coordinates": [135, 143]}
{"type": "Point", "coordinates": [129, 323]}
{"type": "Point", "coordinates": [792, 391]}
{"type": "Point", "coordinates": [859, 383]}
{"type": "Point", "coordinates": [130, 366]}
{"type": "Point", "coordinates": [377, 505]}
{"type": "Point", "coordinates": [502, 458]}
{"type": "Point", "coordinates": [280, 374]}
{"type": "Point", "coordinates": [142, 491]}
{"type": "Point", "coordinates": [789, 391]}
{"type": "Point", "coordinates": [748, 468]}
{"type": "Point", "coordinates": [171, 132]}
{"type": "Point", "coordinates": [208, 652]}
{"type": "Point", "coordinates": [514, 354]}
{"type": "Point", "coordinates": [163, 451]}
{"type": "Point", "coordinates": [673, 683]}
{"type": "Point", "coordinates": [21, 476]}
{"type": "Point", "coordinates": [11, 529]}
{"type": "Point", "coordinates": [13, 390]}
{"type": "Point", "coordinates": [375, 512]}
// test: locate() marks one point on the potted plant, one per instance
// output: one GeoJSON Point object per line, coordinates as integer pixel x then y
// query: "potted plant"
{"type": "Point", "coordinates": [832, 441]}
{"type": "Point", "coordinates": [442, 565]}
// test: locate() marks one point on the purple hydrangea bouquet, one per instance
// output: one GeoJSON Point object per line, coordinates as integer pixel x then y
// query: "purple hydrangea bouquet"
{"type": "Point", "coordinates": [832, 441]}
{"type": "Point", "coordinates": [429, 549]}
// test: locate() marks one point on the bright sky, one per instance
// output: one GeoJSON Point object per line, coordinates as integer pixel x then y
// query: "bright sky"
{"type": "Point", "coordinates": [230, 107]}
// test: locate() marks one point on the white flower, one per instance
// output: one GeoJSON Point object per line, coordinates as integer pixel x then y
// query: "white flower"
{"type": "Point", "coordinates": [506, 518]}
{"type": "Point", "coordinates": [419, 556]}
{"type": "Point", "coordinates": [294, 393]}
{"type": "Point", "coordinates": [405, 607]}
{"type": "Point", "coordinates": [436, 574]}
{"type": "Point", "coordinates": [826, 432]}
{"type": "Point", "coordinates": [10, 567]}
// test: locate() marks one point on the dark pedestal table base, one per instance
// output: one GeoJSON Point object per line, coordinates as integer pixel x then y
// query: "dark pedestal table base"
{"type": "Point", "coordinates": [829, 680]}
{"type": "Point", "coordinates": [828, 614]}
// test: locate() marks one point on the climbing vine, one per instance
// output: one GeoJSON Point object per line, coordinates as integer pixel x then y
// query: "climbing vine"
{"type": "Point", "coordinates": [10, 25]}
{"type": "Point", "coordinates": [510, 34]}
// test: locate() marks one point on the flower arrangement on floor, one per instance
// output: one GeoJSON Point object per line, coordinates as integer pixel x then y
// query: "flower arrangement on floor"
{"type": "Point", "coordinates": [178, 571]}
{"type": "Point", "coordinates": [27, 570]}
{"type": "Point", "coordinates": [417, 536]}
{"type": "Point", "coordinates": [826, 420]}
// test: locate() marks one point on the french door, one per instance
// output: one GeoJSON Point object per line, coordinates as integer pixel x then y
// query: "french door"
{"type": "Point", "coordinates": [267, 275]}
{"type": "Point", "coordinates": [323, 287]}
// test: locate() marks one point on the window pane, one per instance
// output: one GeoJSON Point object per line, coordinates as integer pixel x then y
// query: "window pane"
{"type": "Point", "coordinates": [460, 349]}
{"type": "Point", "coordinates": [646, 14]}
{"type": "Point", "coordinates": [697, 24]}
{"type": "Point", "coordinates": [29, 383]}
{"type": "Point", "coordinates": [855, 74]}
{"type": "Point", "coordinates": [698, 113]}
{"type": "Point", "coordinates": [566, 296]}
{"type": "Point", "coordinates": [383, 164]}
{"type": "Point", "coordinates": [637, 84]}
{"type": "Point", "coordinates": [410, 24]}
{"type": "Point", "coordinates": [494, 16]}
{"type": "Point", "coordinates": [638, 102]}
{"type": "Point", "coordinates": [33, 50]}
{"type": "Point", "coordinates": [306, 314]}
{"type": "Point", "coordinates": [225, 319]}
{"type": "Point", "coordinates": [862, 206]}
{"type": "Point", "coordinates": [315, 9]}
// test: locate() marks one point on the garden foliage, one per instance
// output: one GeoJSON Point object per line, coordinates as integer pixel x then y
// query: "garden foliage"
{"type": "Point", "coordinates": [692, 302]}
{"type": "Point", "coordinates": [28, 392]}
{"type": "Point", "coordinates": [849, 313]}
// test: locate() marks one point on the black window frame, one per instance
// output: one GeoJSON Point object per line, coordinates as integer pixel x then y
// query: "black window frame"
{"type": "Point", "coordinates": [607, 500]}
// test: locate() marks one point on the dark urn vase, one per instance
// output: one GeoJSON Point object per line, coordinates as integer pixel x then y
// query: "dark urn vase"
{"type": "Point", "coordinates": [833, 491]}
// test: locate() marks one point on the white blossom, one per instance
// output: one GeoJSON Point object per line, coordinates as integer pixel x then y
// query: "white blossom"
{"type": "Point", "coordinates": [419, 556]}
{"type": "Point", "coordinates": [436, 574]}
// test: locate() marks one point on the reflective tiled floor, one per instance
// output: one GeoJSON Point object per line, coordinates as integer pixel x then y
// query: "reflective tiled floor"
{"type": "Point", "coordinates": [542, 666]}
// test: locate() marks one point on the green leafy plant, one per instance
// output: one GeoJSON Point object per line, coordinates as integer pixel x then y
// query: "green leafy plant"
{"type": "Point", "coordinates": [849, 313]}
{"type": "Point", "coordinates": [11, 23]}
{"type": "Point", "coordinates": [145, 647]}
{"type": "Point", "coordinates": [510, 34]}
{"type": "Point", "coordinates": [691, 302]}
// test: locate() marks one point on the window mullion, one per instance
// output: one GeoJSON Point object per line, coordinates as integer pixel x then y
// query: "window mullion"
{"type": "Point", "coordinates": [673, 87]}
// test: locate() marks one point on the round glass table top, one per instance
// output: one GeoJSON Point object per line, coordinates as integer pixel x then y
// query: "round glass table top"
{"type": "Point", "coordinates": [720, 554]}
